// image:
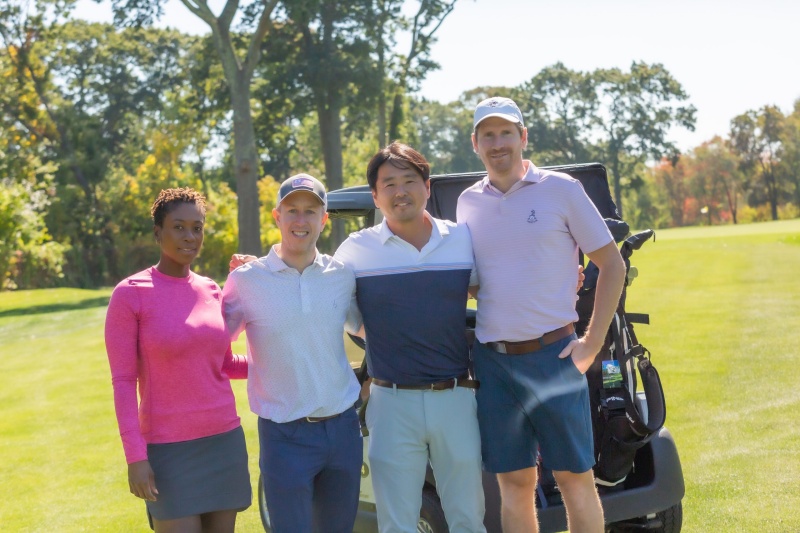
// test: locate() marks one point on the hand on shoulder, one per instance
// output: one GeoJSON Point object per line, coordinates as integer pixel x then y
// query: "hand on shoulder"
{"type": "Point", "coordinates": [238, 260]}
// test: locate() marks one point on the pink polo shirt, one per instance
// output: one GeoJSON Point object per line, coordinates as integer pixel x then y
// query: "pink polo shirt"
{"type": "Point", "coordinates": [526, 251]}
{"type": "Point", "coordinates": [168, 336]}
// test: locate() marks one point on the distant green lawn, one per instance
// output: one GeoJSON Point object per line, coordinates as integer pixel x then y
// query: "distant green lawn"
{"type": "Point", "coordinates": [724, 304]}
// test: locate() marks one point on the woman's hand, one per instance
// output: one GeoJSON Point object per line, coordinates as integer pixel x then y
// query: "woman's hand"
{"type": "Point", "coordinates": [142, 480]}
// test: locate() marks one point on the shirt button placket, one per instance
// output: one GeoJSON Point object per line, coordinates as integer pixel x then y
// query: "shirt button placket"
{"type": "Point", "coordinates": [305, 295]}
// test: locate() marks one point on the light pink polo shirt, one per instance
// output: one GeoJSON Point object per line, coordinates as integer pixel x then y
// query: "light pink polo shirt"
{"type": "Point", "coordinates": [526, 251]}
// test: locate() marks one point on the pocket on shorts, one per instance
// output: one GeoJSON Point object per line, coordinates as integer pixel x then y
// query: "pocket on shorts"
{"type": "Point", "coordinates": [283, 432]}
{"type": "Point", "coordinates": [351, 418]}
{"type": "Point", "coordinates": [370, 408]}
{"type": "Point", "coordinates": [574, 368]}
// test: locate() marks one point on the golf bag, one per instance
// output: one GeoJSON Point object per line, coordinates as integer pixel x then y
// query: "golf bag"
{"type": "Point", "coordinates": [621, 420]}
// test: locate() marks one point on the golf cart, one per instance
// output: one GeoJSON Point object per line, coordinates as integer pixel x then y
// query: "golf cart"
{"type": "Point", "coordinates": [647, 498]}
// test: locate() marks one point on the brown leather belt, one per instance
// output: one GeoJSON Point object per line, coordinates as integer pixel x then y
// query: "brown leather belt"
{"type": "Point", "coordinates": [313, 419]}
{"type": "Point", "coordinates": [533, 345]}
{"type": "Point", "coordinates": [461, 381]}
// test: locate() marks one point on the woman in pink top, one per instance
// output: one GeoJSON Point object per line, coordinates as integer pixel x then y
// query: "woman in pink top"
{"type": "Point", "coordinates": [165, 332]}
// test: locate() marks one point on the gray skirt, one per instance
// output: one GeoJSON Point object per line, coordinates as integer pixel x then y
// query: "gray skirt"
{"type": "Point", "coordinates": [200, 476]}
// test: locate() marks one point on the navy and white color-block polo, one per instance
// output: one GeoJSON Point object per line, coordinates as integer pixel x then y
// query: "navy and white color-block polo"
{"type": "Point", "coordinates": [413, 302]}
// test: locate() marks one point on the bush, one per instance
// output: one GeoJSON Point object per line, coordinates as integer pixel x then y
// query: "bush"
{"type": "Point", "coordinates": [39, 266]}
{"type": "Point", "coordinates": [221, 233]}
{"type": "Point", "coordinates": [29, 258]}
{"type": "Point", "coordinates": [748, 214]}
{"type": "Point", "coordinates": [788, 211]}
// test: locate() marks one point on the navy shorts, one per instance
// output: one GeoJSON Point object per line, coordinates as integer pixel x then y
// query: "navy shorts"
{"type": "Point", "coordinates": [533, 403]}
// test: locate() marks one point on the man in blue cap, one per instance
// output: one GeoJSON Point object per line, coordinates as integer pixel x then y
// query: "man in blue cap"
{"type": "Point", "coordinates": [293, 304]}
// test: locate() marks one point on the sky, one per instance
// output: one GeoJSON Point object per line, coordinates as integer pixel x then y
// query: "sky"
{"type": "Point", "coordinates": [730, 56]}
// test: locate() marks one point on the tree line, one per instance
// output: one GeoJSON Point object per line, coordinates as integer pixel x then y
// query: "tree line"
{"type": "Point", "coordinates": [97, 118]}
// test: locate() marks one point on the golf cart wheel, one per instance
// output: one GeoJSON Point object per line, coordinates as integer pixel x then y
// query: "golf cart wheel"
{"type": "Point", "coordinates": [666, 521]}
{"type": "Point", "coordinates": [262, 506]}
{"type": "Point", "coordinates": [431, 516]}
{"type": "Point", "coordinates": [671, 519]}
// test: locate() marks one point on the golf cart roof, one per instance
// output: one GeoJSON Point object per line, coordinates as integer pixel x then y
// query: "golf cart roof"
{"type": "Point", "coordinates": [446, 188]}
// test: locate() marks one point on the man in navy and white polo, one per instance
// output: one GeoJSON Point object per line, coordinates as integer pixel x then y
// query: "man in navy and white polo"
{"type": "Point", "coordinates": [412, 275]}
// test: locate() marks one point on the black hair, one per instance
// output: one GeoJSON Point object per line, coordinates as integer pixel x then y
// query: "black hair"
{"type": "Point", "coordinates": [169, 198]}
{"type": "Point", "coordinates": [401, 156]}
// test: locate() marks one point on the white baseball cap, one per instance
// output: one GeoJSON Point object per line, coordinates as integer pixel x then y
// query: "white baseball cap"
{"type": "Point", "coordinates": [500, 107]}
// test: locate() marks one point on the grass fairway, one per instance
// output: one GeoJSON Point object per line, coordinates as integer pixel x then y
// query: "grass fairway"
{"type": "Point", "coordinates": [725, 326]}
{"type": "Point", "coordinates": [62, 466]}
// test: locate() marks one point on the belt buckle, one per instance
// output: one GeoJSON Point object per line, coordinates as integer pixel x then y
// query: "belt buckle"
{"type": "Point", "coordinates": [310, 421]}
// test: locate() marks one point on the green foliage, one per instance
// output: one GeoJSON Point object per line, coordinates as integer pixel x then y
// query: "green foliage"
{"type": "Point", "coordinates": [619, 118]}
{"type": "Point", "coordinates": [748, 214]}
{"type": "Point", "coordinates": [560, 107]}
{"type": "Point", "coordinates": [756, 137]}
{"type": "Point", "coordinates": [703, 186]}
{"type": "Point", "coordinates": [790, 144]}
{"type": "Point", "coordinates": [268, 197]}
{"type": "Point", "coordinates": [221, 233]}
{"type": "Point", "coordinates": [116, 114]}
{"type": "Point", "coordinates": [29, 258]}
{"type": "Point", "coordinates": [644, 207]}
{"type": "Point", "coordinates": [443, 131]}
{"type": "Point", "coordinates": [443, 135]}
{"type": "Point", "coordinates": [401, 73]}
{"type": "Point", "coordinates": [119, 115]}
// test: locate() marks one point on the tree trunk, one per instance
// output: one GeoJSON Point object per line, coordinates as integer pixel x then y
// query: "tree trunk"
{"type": "Point", "coordinates": [382, 96]}
{"type": "Point", "coordinates": [382, 121]}
{"type": "Point", "coordinates": [731, 195]}
{"type": "Point", "coordinates": [772, 189]}
{"type": "Point", "coordinates": [245, 158]}
{"type": "Point", "coordinates": [397, 115]}
{"type": "Point", "coordinates": [330, 128]}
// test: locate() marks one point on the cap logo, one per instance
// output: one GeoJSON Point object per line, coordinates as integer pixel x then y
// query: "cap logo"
{"type": "Point", "coordinates": [493, 103]}
{"type": "Point", "coordinates": [302, 182]}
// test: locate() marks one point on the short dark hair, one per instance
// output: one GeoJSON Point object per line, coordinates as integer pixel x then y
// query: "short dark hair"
{"type": "Point", "coordinates": [169, 198]}
{"type": "Point", "coordinates": [401, 156]}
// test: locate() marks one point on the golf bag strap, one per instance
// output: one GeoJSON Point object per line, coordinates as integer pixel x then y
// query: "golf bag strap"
{"type": "Point", "coordinates": [637, 318]}
{"type": "Point", "coordinates": [651, 382]}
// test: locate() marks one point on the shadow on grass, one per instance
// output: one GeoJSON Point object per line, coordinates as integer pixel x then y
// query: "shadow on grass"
{"type": "Point", "coordinates": [57, 307]}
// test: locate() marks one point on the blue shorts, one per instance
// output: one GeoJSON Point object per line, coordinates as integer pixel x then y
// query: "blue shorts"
{"type": "Point", "coordinates": [533, 403]}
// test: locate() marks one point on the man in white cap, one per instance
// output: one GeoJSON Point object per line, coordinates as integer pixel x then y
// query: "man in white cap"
{"type": "Point", "coordinates": [293, 304]}
{"type": "Point", "coordinates": [527, 226]}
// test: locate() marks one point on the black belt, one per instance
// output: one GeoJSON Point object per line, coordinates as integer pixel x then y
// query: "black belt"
{"type": "Point", "coordinates": [533, 345]}
{"type": "Point", "coordinates": [461, 381]}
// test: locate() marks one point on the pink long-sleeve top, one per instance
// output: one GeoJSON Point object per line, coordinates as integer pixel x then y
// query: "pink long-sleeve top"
{"type": "Point", "coordinates": [168, 335]}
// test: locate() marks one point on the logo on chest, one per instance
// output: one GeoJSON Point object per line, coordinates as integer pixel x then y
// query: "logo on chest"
{"type": "Point", "coordinates": [532, 218]}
